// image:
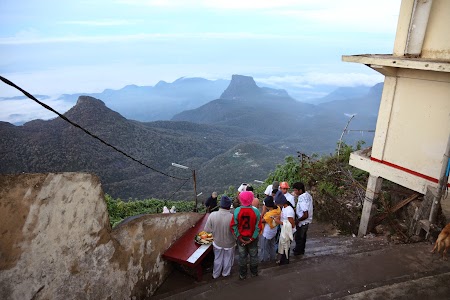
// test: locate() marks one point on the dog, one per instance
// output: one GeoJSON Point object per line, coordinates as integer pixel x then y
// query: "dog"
{"type": "Point", "coordinates": [443, 241]}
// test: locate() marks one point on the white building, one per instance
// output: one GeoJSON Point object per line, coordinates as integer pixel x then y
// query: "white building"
{"type": "Point", "coordinates": [411, 143]}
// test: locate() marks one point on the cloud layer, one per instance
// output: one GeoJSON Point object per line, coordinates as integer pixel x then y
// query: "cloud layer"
{"type": "Point", "coordinates": [53, 47]}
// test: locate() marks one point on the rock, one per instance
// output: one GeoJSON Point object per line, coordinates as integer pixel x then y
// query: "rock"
{"type": "Point", "coordinates": [380, 229]}
{"type": "Point", "coordinates": [240, 86]}
{"type": "Point", "coordinates": [416, 239]}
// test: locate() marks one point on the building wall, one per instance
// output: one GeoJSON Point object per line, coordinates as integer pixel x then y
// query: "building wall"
{"type": "Point", "coordinates": [416, 126]}
{"type": "Point", "coordinates": [56, 241]}
{"type": "Point", "coordinates": [413, 124]}
{"type": "Point", "coordinates": [436, 44]}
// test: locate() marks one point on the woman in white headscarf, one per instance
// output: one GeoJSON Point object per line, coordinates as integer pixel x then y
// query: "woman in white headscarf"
{"type": "Point", "coordinates": [287, 222]}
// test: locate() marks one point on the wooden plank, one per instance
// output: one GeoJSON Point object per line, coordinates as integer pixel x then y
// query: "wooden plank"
{"type": "Point", "coordinates": [381, 217]}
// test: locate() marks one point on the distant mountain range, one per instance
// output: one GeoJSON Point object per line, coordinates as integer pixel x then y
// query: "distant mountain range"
{"type": "Point", "coordinates": [238, 136]}
{"type": "Point", "coordinates": [273, 117]}
{"type": "Point", "coordinates": [161, 102]}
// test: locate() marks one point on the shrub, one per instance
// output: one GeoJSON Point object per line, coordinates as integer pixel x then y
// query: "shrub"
{"type": "Point", "coordinates": [119, 210]}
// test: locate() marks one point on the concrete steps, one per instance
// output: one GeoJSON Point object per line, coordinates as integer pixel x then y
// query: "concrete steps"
{"type": "Point", "coordinates": [333, 267]}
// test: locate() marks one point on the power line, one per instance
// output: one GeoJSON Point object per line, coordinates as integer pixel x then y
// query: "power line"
{"type": "Point", "coordinates": [85, 130]}
{"type": "Point", "coordinates": [359, 130]}
{"type": "Point", "coordinates": [171, 197]}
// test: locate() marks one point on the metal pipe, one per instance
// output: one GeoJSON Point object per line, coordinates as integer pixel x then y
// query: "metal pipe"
{"type": "Point", "coordinates": [180, 166]}
{"type": "Point", "coordinates": [442, 185]}
{"type": "Point", "coordinates": [340, 139]}
{"type": "Point", "coordinates": [195, 190]}
{"type": "Point", "coordinates": [195, 182]}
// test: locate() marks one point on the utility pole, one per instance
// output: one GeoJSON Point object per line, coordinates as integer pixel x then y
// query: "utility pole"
{"type": "Point", "coordinates": [195, 181]}
{"type": "Point", "coordinates": [195, 190]}
{"type": "Point", "coordinates": [345, 129]}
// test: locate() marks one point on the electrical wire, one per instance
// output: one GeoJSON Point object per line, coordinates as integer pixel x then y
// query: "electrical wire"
{"type": "Point", "coordinates": [85, 130]}
{"type": "Point", "coordinates": [171, 197]}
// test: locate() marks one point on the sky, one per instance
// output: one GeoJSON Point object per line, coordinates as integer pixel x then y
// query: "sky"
{"type": "Point", "coordinates": [52, 47]}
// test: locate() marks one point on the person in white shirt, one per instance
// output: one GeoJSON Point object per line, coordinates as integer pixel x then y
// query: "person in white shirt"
{"type": "Point", "coordinates": [271, 187]}
{"type": "Point", "coordinates": [284, 187]}
{"type": "Point", "coordinates": [304, 213]}
{"type": "Point", "coordinates": [242, 187]}
{"type": "Point", "coordinates": [270, 191]}
{"type": "Point", "coordinates": [287, 221]}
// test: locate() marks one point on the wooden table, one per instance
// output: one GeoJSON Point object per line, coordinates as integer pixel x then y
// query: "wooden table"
{"type": "Point", "coordinates": [187, 252]}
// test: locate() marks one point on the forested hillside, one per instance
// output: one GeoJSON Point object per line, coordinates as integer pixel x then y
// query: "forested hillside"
{"type": "Point", "coordinates": [239, 137]}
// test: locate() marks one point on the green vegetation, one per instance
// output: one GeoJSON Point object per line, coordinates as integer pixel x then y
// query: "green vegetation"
{"type": "Point", "coordinates": [337, 189]}
{"type": "Point", "coordinates": [319, 171]}
{"type": "Point", "coordinates": [119, 210]}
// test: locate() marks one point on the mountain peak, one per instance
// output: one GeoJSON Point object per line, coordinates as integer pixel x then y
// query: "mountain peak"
{"type": "Point", "coordinates": [89, 109]}
{"type": "Point", "coordinates": [88, 100]}
{"type": "Point", "coordinates": [240, 86]}
{"type": "Point", "coordinates": [377, 89]}
{"type": "Point", "coordinates": [160, 84]}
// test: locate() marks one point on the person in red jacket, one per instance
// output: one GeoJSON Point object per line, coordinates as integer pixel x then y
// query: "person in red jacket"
{"type": "Point", "coordinates": [246, 225]}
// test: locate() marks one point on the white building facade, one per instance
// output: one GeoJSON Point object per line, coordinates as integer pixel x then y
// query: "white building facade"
{"type": "Point", "coordinates": [411, 143]}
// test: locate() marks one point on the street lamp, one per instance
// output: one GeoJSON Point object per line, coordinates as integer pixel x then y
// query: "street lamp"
{"type": "Point", "coordinates": [345, 129]}
{"type": "Point", "coordinates": [195, 181]}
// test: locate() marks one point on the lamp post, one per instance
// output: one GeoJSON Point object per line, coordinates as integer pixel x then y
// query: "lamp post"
{"type": "Point", "coordinates": [195, 181]}
{"type": "Point", "coordinates": [345, 129]}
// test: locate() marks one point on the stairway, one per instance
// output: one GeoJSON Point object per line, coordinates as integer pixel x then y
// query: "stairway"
{"type": "Point", "coordinates": [333, 267]}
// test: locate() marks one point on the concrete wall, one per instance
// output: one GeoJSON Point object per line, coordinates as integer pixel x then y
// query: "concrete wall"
{"type": "Point", "coordinates": [414, 121]}
{"type": "Point", "coordinates": [413, 125]}
{"type": "Point", "coordinates": [436, 44]}
{"type": "Point", "coordinates": [436, 40]}
{"type": "Point", "coordinates": [56, 241]}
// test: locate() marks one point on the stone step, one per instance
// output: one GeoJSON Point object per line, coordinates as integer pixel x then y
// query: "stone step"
{"type": "Point", "coordinates": [360, 272]}
{"type": "Point", "coordinates": [317, 248]}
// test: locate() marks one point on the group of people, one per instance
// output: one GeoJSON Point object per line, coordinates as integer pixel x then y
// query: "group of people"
{"type": "Point", "coordinates": [263, 234]}
{"type": "Point", "coordinates": [169, 211]}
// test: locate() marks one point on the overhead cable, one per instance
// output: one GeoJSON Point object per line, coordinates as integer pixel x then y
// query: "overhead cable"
{"type": "Point", "coordinates": [171, 197]}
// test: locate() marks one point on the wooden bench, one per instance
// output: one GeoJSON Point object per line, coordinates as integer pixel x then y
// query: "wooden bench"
{"type": "Point", "coordinates": [187, 252]}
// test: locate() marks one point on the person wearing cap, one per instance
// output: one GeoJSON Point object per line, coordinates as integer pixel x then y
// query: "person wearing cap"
{"type": "Point", "coordinates": [284, 187]}
{"type": "Point", "coordinates": [286, 220]}
{"type": "Point", "coordinates": [271, 187]}
{"type": "Point", "coordinates": [246, 226]}
{"type": "Point", "coordinates": [218, 224]}
{"type": "Point", "coordinates": [271, 190]}
{"type": "Point", "coordinates": [211, 203]}
{"type": "Point", "coordinates": [268, 237]}
{"type": "Point", "coordinates": [304, 213]}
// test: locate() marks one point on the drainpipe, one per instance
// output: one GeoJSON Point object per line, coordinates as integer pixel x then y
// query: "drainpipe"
{"type": "Point", "coordinates": [418, 27]}
{"type": "Point", "coordinates": [442, 185]}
